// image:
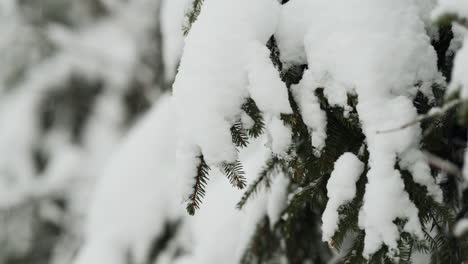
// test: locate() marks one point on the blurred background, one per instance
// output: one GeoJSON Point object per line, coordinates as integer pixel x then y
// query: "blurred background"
{"type": "Point", "coordinates": [75, 76]}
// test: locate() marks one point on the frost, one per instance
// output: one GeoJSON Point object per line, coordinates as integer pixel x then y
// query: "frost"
{"type": "Point", "coordinates": [341, 189]}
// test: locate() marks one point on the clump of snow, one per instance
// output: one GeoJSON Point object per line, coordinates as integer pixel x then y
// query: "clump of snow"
{"type": "Point", "coordinates": [391, 52]}
{"type": "Point", "coordinates": [265, 85]}
{"type": "Point", "coordinates": [341, 189]}
{"type": "Point", "coordinates": [235, 227]}
{"type": "Point", "coordinates": [135, 197]}
{"type": "Point", "coordinates": [280, 137]}
{"type": "Point", "coordinates": [461, 228]}
{"type": "Point", "coordinates": [247, 121]}
{"type": "Point", "coordinates": [459, 76]}
{"type": "Point", "coordinates": [172, 17]}
{"type": "Point", "coordinates": [414, 161]}
{"type": "Point", "coordinates": [314, 117]}
{"type": "Point", "coordinates": [223, 63]}
{"type": "Point", "coordinates": [458, 7]}
{"type": "Point", "coordinates": [277, 198]}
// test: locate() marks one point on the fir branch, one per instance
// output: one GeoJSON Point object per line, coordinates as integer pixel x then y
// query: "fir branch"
{"type": "Point", "coordinates": [264, 177]}
{"type": "Point", "coordinates": [239, 135]}
{"type": "Point", "coordinates": [263, 245]}
{"type": "Point", "coordinates": [251, 109]}
{"type": "Point", "coordinates": [198, 188]}
{"type": "Point", "coordinates": [192, 15]}
{"type": "Point", "coordinates": [235, 173]}
{"type": "Point", "coordinates": [448, 18]}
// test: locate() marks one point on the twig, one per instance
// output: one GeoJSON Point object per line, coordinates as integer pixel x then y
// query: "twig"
{"type": "Point", "coordinates": [444, 165]}
{"type": "Point", "coordinates": [429, 115]}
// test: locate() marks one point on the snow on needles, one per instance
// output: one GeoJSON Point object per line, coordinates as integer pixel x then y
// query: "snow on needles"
{"type": "Point", "coordinates": [225, 44]}
{"type": "Point", "coordinates": [391, 53]}
{"type": "Point", "coordinates": [341, 189]}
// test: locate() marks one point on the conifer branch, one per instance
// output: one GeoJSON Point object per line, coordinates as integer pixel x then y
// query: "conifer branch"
{"type": "Point", "coordinates": [192, 15]}
{"type": "Point", "coordinates": [449, 18]}
{"type": "Point", "coordinates": [263, 177]}
{"type": "Point", "coordinates": [239, 135]}
{"type": "Point", "coordinates": [251, 109]}
{"type": "Point", "coordinates": [235, 174]}
{"type": "Point", "coordinates": [198, 188]}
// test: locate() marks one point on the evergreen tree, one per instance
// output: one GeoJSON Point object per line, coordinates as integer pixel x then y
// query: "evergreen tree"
{"type": "Point", "coordinates": [297, 131]}
{"type": "Point", "coordinates": [295, 236]}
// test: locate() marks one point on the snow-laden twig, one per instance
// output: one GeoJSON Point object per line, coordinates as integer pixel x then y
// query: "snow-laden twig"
{"type": "Point", "coordinates": [443, 165]}
{"type": "Point", "coordinates": [431, 114]}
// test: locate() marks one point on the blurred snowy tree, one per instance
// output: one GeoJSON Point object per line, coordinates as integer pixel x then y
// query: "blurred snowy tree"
{"type": "Point", "coordinates": [74, 76]}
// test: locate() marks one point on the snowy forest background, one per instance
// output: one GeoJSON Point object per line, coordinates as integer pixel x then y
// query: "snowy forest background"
{"type": "Point", "coordinates": [233, 131]}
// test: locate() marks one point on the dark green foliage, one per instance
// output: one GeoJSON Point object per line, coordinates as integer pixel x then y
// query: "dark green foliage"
{"type": "Point", "coordinates": [309, 172]}
{"type": "Point", "coordinates": [270, 167]}
{"type": "Point", "coordinates": [264, 245]}
{"type": "Point", "coordinates": [297, 235]}
{"type": "Point", "coordinates": [198, 190]}
{"type": "Point", "coordinates": [235, 174]}
{"type": "Point", "coordinates": [192, 15]}
{"type": "Point", "coordinates": [161, 242]}
{"type": "Point", "coordinates": [251, 109]}
{"type": "Point", "coordinates": [301, 236]}
{"type": "Point", "coordinates": [240, 138]}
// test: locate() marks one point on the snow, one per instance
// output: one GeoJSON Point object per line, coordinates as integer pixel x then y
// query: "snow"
{"type": "Point", "coordinates": [459, 76]}
{"type": "Point", "coordinates": [378, 51]}
{"type": "Point", "coordinates": [459, 7]}
{"type": "Point", "coordinates": [277, 198]}
{"type": "Point", "coordinates": [247, 121]}
{"type": "Point", "coordinates": [314, 117]}
{"type": "Point", "coordinates": [461, 228]}
{"type": "Point", "coordinates": [341, 189]}
{"type": "Point", "coordinates": [280, 137]}
{"type": "Point", "coordinates": [213, 78]}
{"type": "Point", "coordinates": [110, 51]}
{"type": "Point", "coordinates": [141, 175]}
{"type": "Point", "coordinates": [386, 62]}
{"type": "Point", "coordinates": [134, 190]}
{"type": "Point", "coordinates": [218, 218]}
{"type": "Point", "coordinates": [172, 17]}
{"type": "Point", "coordinates": [265, 86]}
